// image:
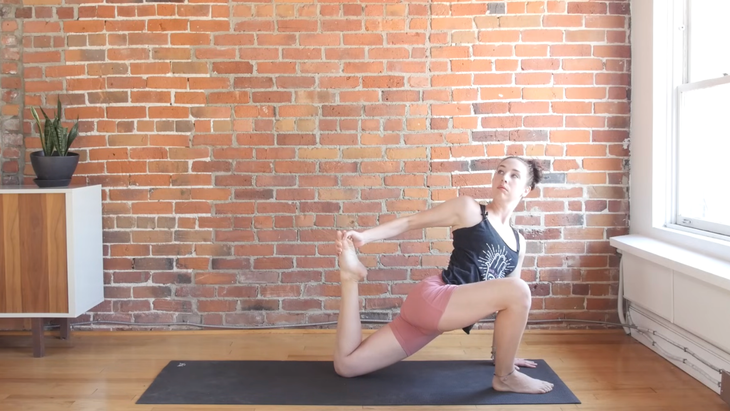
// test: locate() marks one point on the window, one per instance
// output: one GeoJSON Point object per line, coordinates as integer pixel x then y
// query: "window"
{"type": "Point", "coordinates": [702, 150]}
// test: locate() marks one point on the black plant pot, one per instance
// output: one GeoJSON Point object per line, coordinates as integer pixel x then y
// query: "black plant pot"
{"type": "Point", "coordinates": [53, 171]}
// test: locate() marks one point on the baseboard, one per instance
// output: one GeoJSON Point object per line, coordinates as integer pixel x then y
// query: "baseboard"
{"type": "Point", "coordinates": [708, 352]}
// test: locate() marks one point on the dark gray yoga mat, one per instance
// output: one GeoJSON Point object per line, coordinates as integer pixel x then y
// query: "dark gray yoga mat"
{"type": "Point", "coordinates": [315, 383]}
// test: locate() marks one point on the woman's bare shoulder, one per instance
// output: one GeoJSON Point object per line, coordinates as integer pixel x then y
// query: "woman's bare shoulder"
{"type": "Point", "coordinates": [469, 210]}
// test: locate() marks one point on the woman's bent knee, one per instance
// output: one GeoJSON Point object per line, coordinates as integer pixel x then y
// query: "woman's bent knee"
{"type": "Point", "coordinates": [345, 368]}
{"type": "Point", "coordinates": [522, 295]}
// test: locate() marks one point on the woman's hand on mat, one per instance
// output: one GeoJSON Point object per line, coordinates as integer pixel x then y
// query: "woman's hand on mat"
{"type": "Point", "coordinates": [521, 362]}
{"type": "Point", "coordinates": [358, 239]}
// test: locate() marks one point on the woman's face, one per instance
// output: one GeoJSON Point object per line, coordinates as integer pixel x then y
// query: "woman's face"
{"type": "Point", "coordinates": [510, 181]}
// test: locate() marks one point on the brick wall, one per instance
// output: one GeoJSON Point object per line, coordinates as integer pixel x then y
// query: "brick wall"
{"type": "Point", "coordinates": [232, 139]}
{"type": "Point", "coordinates": [11, 137]}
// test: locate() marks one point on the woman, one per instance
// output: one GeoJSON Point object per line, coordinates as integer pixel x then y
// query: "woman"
{"type": "Point", "coordinates": [483, 277]}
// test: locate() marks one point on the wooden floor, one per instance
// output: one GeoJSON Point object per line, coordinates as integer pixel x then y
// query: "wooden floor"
{"type": "Point", "coordinates": [108, 371]}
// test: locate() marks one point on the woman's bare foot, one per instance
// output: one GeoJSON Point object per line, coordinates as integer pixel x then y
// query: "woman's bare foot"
{"type": "Point", "coordinates": [519, 382]}
{"type": "Point", "coordinates": [351, 269]}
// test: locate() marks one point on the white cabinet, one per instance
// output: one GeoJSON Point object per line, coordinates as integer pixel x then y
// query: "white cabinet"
{"type": "Point", "coordinates": [51, 254]}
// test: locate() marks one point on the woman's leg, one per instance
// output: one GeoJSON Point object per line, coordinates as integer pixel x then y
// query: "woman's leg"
{"type": "Point", "coordinates": [511, 297]}
{"type": "Point", "coordinates": [353, 356]}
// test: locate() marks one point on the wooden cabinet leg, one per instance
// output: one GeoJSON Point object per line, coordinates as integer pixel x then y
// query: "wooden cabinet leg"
{"type": "Point", "coordinates": [65, 330]}
{"type": "Point", "coordinates": [39, 348]}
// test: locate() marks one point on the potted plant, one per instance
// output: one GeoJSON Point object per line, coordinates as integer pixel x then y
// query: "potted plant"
{"type": "Point", "coordinates": [54, 165]}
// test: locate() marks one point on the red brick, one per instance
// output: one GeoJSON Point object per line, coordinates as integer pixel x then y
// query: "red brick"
{"type": "Point", "coordinates": [575, 7]}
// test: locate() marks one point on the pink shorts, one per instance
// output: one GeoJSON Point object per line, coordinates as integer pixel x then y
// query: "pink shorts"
{"type": "Point", "coordinates": [417, 323]}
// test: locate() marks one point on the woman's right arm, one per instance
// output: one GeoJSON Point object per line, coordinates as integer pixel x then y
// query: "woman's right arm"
{"type": "Point", "coordinates": [447, 214]}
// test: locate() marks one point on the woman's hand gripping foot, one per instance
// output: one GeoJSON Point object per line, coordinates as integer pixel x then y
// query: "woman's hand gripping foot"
{"type": "Point", "coordinates": [351, 269]}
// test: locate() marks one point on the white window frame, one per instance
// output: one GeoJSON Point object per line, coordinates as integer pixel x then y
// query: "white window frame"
{"type": "Point", "coordinates": [709, 228]}
{"type": "Point", "coordinates": [682, 85]}
{"type": "Point", "coordinates": [656, 71]}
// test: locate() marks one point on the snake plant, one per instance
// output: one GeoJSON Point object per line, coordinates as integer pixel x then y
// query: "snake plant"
{"type": "Point", "coordinates": [53, 135]}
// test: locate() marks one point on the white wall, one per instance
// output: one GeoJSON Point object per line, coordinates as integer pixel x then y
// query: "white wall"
{"type": "Point", "coordinates": [677, 283]}
{"type": "Point", "coordinates": [642, 129]}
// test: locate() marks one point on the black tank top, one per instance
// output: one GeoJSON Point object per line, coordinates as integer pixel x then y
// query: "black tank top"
{"type": "Point", "coordinates": [480, 254]}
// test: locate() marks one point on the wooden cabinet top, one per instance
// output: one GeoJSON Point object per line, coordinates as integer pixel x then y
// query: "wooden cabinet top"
{"type": "Point", "coordinates": [33, 189]}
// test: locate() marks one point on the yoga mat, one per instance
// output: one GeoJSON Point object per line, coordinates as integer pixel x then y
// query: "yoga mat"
{"type": "Point", "coordinates": [316, 383]}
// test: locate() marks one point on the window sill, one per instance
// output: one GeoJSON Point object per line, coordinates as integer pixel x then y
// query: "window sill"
{"type": "Point", "coordinates": [702, 267]}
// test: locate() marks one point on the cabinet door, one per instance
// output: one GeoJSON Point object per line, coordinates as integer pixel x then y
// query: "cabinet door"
{"type": "Point", "coordinates": [33, 253]}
